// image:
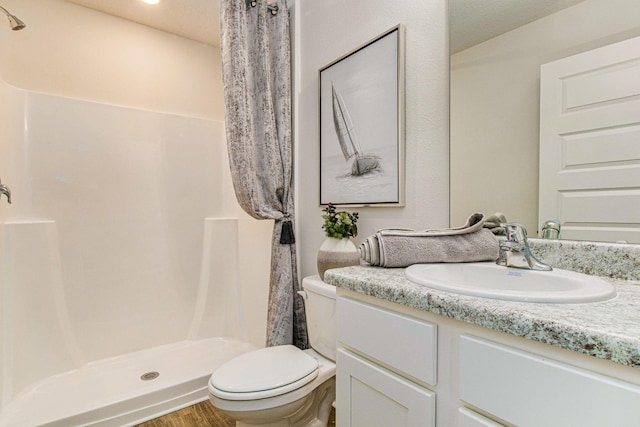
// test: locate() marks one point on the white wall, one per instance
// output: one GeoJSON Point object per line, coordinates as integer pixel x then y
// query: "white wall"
{"type": "Point", "coordinates": [326, 30]}
{"type": "Point", "coordinates": [495, 91]}
{"type": "Point", "coordinates": [75, 52]}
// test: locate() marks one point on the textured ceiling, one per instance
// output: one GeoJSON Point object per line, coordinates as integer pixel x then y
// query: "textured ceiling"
{"type": "Point", "coordinates": [471, 21]}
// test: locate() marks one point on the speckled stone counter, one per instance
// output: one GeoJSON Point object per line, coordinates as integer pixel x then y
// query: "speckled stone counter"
{"type": "Point", "coordinates": [608, 330]}
{"type": "Point", "coordinates": [614, 260]}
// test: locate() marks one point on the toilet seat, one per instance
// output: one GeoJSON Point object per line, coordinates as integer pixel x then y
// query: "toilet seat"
{"type": "Point", "coordinates": [263, 373]}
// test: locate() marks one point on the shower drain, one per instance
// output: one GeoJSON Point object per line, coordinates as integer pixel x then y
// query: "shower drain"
{"type": "Point", "coordinates": [149, 376]}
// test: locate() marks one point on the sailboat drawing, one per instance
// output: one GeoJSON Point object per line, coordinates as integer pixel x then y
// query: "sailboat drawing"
{"type": "Point", "coordinates": [361, 163]}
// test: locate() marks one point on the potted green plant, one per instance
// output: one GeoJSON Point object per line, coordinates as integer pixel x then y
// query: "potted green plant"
{"type": "Point", "coordinates": [338, 250]}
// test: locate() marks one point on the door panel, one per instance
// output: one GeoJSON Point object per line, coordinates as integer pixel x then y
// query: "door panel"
{"type": "Point", "coordinates": [590, 143]}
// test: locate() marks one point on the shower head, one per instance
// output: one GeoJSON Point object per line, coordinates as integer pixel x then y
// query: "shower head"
{"type": "Point", "coordinates": [14, 21]}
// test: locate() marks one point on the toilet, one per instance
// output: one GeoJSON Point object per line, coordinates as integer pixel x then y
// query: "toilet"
{"type": "Point", "coordinates": [284, 386]}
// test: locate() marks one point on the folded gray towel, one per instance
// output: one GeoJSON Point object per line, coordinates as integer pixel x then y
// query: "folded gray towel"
{"type": "Point", "coordinates": [401, 248]}
{"type": "Point", "coordinates": [492, 222]}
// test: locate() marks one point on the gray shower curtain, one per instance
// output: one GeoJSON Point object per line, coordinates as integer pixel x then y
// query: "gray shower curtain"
{"type": "Point", "coordinates": [257, 90]}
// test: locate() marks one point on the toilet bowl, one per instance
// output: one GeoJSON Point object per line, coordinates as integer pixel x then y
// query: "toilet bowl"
{"type": "Point", "coordinates": [284, 386]}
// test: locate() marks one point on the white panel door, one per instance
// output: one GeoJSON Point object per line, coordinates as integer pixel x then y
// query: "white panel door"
{"type": "Point", "coordinates": [590, 143]}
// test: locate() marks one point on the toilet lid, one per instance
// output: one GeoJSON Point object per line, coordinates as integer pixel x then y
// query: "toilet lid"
{"type": "Point", "coordinates": [266, 369]}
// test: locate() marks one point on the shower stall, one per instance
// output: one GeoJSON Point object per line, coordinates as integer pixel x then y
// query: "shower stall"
{"type": "Point", "coordinates": [118, 270]}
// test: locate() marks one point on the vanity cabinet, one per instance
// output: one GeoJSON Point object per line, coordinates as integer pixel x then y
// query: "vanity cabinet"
{"type": "Point", "coordinates": [393, 361]}
{"type": "Point", "coordinates": [383, 364]}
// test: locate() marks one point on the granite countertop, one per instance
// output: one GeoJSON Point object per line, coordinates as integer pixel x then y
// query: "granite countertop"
{"type": "Point", "coordinates": [608, 330]}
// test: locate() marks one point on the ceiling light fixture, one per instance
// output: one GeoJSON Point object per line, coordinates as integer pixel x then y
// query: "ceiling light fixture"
{"type": "Point", "coordinates": [151, 1]}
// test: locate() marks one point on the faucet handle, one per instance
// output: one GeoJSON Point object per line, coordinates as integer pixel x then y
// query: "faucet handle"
{"type": "Point", "coordinates": [515, 251]}
{"type": "Point", "coordinates": [6, 191]}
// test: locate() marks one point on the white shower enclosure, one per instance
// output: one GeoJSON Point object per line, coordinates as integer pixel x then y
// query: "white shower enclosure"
{"type": "Point", "coordinates": [115, 262]}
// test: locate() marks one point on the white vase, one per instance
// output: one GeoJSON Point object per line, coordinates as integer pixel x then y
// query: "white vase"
{"type": "Point", "coordinates": [336, 253]}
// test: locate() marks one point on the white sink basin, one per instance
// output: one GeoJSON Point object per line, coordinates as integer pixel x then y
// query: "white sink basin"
{"type": "Point", "coordinates": [488, 280]}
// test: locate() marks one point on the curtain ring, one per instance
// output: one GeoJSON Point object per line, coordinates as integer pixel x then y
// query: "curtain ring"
{"type": "Point", "coordinates": [273, 9]}
{"type": "Point", "coordinates": [253, 3]}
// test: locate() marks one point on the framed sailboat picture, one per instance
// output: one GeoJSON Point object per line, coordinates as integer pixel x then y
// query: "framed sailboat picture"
{"type": "Point", "coordinates": [362, 124]}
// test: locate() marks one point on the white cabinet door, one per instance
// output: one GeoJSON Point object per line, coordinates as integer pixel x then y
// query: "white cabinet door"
{"type": "Point", "coordinates": [370, 396]}
{"type": "Point", "coordinates": [590, 143]}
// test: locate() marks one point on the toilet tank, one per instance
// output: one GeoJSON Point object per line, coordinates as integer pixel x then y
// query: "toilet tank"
{"type": "Point", "coordinates": [320, 308]}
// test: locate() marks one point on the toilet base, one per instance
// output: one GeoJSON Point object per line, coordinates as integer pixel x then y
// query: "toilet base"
{"type": "Point", "coordinates": [310, 411]}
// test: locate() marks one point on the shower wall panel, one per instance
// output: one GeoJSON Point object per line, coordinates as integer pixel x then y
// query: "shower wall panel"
{"type": "Point", "coordinates": [40, 340]}
{"type": "Point", "coordinates": [107, 223]}
{"type": "Point", "coordinates": [11, 139]}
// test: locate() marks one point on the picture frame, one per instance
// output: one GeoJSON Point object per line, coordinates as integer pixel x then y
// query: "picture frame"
{"type": "Point", "coordinates": [361, 98]}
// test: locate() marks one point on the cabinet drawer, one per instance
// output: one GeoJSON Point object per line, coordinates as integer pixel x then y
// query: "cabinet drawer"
{"type": "Point", "coordinates": [401, 342]}
{"type": "Point", "coordinates": [469, 418]}
{"type": "Point", "coordinates": [371, 396]}
{"type": "Point", "coordinates": [530, 390]}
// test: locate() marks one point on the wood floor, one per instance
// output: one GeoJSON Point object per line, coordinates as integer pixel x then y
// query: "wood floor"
{"type": "Point", "coordinates": [202, 415]}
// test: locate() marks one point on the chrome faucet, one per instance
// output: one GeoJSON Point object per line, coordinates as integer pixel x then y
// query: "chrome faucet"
{"type": "Point", "coordinates": [5, 190]}
{"type": "Point", "coordinates": [551, 229]}
{"type": "Point", "coordinates": [515, 252]}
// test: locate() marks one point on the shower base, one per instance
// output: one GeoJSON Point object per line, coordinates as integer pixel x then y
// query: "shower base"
{"type": "Point", "coordinates": [110, 392]}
